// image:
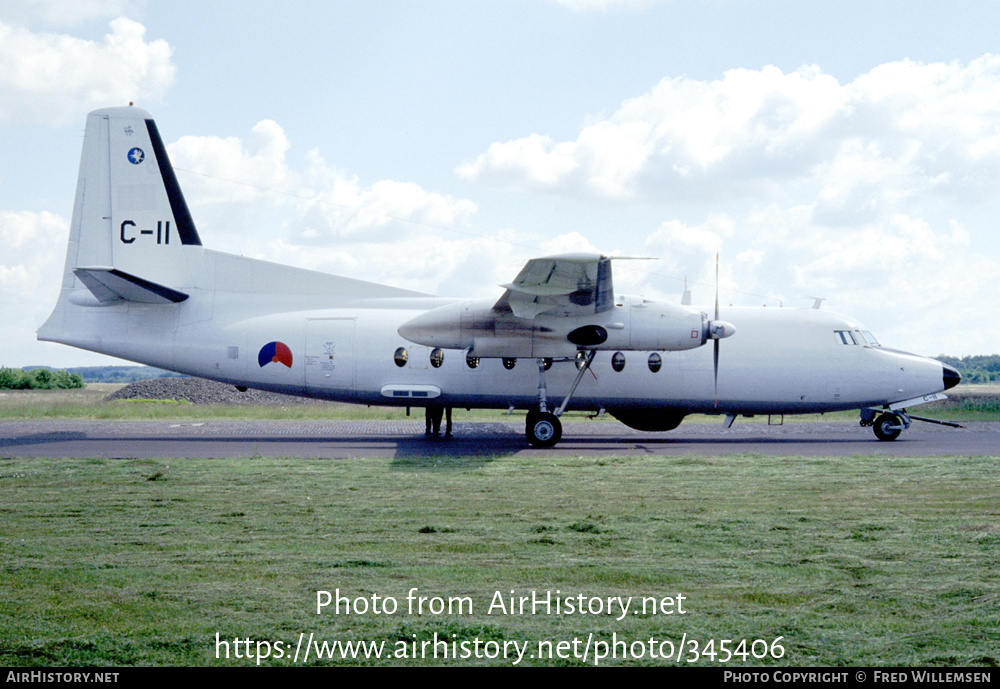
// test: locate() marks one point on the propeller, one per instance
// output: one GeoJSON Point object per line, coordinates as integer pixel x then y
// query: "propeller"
{"type": "Point", "coordinates": [715, 354]}
{"type": "Point", "coordinates": [718, 329]}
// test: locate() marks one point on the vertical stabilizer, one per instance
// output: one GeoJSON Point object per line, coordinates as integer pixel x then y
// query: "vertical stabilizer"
{"type": "Point", "coordinates": [129, 214]}
{"type": "Point", "coordinates": [131, 239]}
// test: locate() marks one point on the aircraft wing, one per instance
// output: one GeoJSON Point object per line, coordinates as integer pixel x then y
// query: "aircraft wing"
{"type": "Point", "coordinates": [565, 285]}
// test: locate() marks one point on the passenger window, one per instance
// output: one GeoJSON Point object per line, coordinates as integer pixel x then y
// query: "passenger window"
{"type": "Point", "coordinates": [509, 363]}
{"type": "Point", "coordinates": [618, 362]}
{"type": "Point", "coordinates": [655, 362]}
{"type": "Point", "coordinates": [437, 357]}
{"type": "Point", "coordinates": [471, 361]}
{"type": "Point", "coordinates": [400, 357]}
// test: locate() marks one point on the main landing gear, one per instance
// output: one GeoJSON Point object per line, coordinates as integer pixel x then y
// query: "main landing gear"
{"type": "Point", "coordinates": [542, 428]}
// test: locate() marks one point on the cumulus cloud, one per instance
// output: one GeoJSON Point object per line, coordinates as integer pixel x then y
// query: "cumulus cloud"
{"type": "Point", "coordinates": [55, 78]}
{"type": "Point", "coordinates": [246, 197]}
{"type": "Point", "coordinates": [908, 279]}
{"type": "Point", "coordinates": [30, 270]}
{"type": "Point", "coordinates": [890, 134]}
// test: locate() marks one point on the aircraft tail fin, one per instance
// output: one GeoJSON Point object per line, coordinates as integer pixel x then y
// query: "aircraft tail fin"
{"type": "Point", "coordinates": [132, 239]}
{"type": "Point", "coordinates": [130, 215]}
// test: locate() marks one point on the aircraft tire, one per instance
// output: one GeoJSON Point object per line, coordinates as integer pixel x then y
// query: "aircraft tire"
{"type": "Point", "coordinates": [883, 427]}
{"type": "Point", "coordinates": [543, 429]}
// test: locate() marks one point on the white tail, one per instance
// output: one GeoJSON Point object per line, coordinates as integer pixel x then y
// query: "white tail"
{"type": "Point", "coordinates": [132, 235]}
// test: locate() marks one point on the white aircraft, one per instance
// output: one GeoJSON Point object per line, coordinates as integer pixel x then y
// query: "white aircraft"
{"type": "Point", "coordinates": [139, 285]}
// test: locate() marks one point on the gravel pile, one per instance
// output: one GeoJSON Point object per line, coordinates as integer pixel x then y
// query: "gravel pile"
{"type": "Point", "coordinates": [199, 391]}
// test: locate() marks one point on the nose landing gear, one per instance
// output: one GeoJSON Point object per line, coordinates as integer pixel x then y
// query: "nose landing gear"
{"type": "Point", "coordinates": [888, 427]}
{"type": "Point", "coordinates": [889, 423]}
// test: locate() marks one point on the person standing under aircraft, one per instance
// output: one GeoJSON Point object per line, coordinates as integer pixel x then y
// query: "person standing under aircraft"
{"type": "Point", "coordinates": [432, 420]}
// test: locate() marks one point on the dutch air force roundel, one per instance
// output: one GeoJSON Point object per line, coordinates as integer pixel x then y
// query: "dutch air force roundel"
{"type": "Point", "coordinates": [275, 352]}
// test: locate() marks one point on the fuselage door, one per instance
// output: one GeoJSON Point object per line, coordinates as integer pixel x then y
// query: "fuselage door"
{"type": "Point", "coordinates": [330, 360]}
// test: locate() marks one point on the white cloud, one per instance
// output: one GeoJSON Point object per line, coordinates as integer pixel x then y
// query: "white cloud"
{"type": "Point", "coordinates": [246, 198]}
{"type": "Point", "coordinates": [570, 242]}
{"type": "Point", "coordinates": [30, 272]}
{"type": "Point", "coordinates": [897, 131]}
{"type": "Point", "coordinates": [57, 78]}
{"type": "Point", "coordinates": [907, 279]}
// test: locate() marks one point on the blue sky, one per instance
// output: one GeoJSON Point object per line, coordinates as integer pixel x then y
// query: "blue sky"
{"type": "Point", "coordinates": [849, 151]}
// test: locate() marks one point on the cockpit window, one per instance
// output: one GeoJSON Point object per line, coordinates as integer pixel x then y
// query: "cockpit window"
{"type": "Point", "coordinates": [845, 337]}
{"type": "Point", "coordinates": [870, 338]}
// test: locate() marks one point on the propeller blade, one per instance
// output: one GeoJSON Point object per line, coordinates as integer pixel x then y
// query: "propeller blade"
{"type": "Point", "coordinates": [716, 285]}
{"type": "Point", "coordinates": [716, 373]}
{"type": "Point", "coordinates": [716, 361]}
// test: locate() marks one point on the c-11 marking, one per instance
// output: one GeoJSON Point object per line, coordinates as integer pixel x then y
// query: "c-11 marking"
{"type": "Point", "coordinates": [162, 232]}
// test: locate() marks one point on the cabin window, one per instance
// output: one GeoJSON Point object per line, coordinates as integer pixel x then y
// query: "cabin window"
{"type": "Point", "coordinates": [437, 357]}
{"type": "Point", "coordinates": [655, 362]}
{"type": "Point", "coordinates": [400, 357]}
{"type": "Point", "coordinates": [618, 362]}
{"type": "Point", "coordinates": [509, 363]}
{"type": "Point", "coordinates": [471, 361]}
{"type": "Point", "coordinates": [546, 363]}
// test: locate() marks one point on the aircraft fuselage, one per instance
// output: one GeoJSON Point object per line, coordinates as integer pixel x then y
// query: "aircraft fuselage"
{"type": "Point", "coordinates": [783, 361]}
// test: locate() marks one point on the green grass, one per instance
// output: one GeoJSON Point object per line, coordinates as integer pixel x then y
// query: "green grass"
{"type": "Point", "coordinates": [865, 560]}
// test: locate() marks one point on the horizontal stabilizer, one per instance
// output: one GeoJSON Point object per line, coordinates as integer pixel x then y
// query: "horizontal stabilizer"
{"type": "Point", "coordinates": [110, 284]}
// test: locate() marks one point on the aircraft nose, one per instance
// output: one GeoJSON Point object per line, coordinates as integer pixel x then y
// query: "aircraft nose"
{"type": "Point", "coordinates": [951, 377]}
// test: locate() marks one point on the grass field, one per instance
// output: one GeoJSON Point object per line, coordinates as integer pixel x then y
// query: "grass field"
{"type": "Point", "coordinates": [858, 561]}
{"type": "Point", "coordinates": [867, 560]}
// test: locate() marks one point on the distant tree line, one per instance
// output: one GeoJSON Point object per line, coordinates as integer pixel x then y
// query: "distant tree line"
{"type": "Point", "coordinates": [115, 374]}
{"type": "Point", "coordinates": [975, 369]}
{"type": "Point", "coordinates": [120, 374]}
{"type": "Point", "coordinates": [38, 379]}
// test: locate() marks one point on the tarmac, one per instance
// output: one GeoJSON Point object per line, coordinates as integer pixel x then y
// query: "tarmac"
{"type": "Point", "coordinates": [398, 439]}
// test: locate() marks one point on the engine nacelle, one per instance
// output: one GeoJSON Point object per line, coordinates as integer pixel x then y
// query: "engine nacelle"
{"type": "Point", "coordinates": [635, 324]}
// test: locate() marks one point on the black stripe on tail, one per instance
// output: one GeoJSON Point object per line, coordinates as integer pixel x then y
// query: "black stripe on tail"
{"type": "Point", "coordinates": [182, 216]}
